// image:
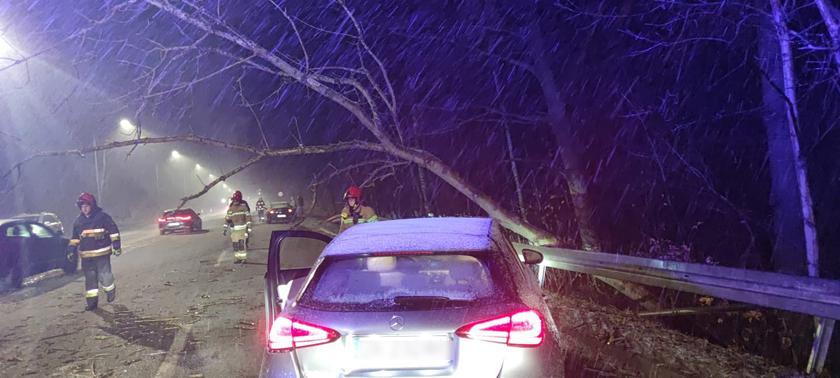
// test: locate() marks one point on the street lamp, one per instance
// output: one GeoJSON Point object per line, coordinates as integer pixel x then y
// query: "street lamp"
{"type": "Point", "coordinates": [176, 154]}
{"type": "Point", "coordinates": [6, 48]}
{"type": "Point", "coordinates": [127, 127]}
{"type": "Point", "coordinates": [197, 167]}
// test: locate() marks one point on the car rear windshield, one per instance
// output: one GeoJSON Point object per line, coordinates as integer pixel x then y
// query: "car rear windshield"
{"type": "Point", "coordinates": [408, 282]}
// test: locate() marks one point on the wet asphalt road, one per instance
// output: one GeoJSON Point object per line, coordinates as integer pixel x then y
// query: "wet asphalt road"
{"type": "Point", "coordinates": [183, 309]}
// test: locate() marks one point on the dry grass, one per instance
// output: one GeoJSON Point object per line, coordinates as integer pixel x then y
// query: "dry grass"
{"type": "Point", "coordinates": [635, 346]}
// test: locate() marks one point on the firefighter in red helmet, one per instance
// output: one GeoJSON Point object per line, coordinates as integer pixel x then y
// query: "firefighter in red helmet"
{"type": "Point", "coordinates": [354, 211]}
{"type": "Point", "coordinates": [96, 237]}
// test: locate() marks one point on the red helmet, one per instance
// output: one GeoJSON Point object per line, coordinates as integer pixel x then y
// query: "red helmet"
{"type": "Point", "coordinates": [237, 196]}
{"type": "Point", "coordinates": [353, 192]}
{"type": "Point", "coordinates": [86, 198]}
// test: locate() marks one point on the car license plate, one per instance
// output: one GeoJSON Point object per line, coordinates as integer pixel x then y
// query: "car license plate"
{"type": "Point", "coordinates": [174, 224]}
{"type": "Point", "coordinates": [281, 215]}
{"type": "Point", "coordinates": [400, 352]}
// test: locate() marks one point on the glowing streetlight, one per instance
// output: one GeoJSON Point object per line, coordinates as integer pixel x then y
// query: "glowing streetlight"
{"type": "Point", "coordinates": [197, 167]}
{"type": "Point", "coordinates": [127, 127]}
{"type": "Point", "coordinates": [6, 48]}
{"type": "Point", "coordinates": [211, 176]}
{"type": "Point", "coordinates": [224, 200]}
{"type": "Point", "coordinates": [176, 154]}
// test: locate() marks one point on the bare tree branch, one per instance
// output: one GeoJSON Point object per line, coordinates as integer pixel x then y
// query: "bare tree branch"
{"type": "Point", "coordinates": [221, 178]}
{"type": "Point", "coordinates": [301, 150]}
{"type": "Point", "coordinates": [831, 17]}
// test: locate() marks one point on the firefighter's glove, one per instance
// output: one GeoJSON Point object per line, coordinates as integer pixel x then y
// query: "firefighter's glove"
{"type": "Point", "coordinates": [70, 251]}
{"type": "Point", "coordinates": [117, 252]}
{"type": "Point", "coordinates": [117, 247]}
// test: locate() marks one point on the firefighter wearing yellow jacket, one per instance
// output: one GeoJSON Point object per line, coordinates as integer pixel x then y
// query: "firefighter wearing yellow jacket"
{"type": "Point", "coordinates": [238, 220]}
{"type": "Point", "coordinates": [354, 212]}
{"type": "Point", "coordinates": [96, 237]}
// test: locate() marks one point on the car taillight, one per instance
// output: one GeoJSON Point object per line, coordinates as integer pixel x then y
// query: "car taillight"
{"type": "Point", "coordinates": [186, 218]}
{"type": "Point", "coordinates": [522, 328]}
{"type": "Point", "coordinates": [161, 219]}
{"type": "Point", "coordinates": [288, 334]}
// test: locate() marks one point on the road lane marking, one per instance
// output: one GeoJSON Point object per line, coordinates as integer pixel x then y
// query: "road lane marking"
{"type": "Point", "coordinates": [178, 343]}
{"type": "Point", "coordinates": [220, 258]}
{"type": "Point", "coordinates": [172, 355]}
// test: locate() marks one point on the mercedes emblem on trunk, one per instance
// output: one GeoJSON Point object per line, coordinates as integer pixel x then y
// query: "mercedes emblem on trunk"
{"type": "Point", "coordinates": [397, 323]}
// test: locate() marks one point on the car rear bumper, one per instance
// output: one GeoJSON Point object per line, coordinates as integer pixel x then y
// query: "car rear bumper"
{"type": "Point", "coordinates": [277, 219]}
{"type": "Point", "coordinates": [518, 362]}
{"type": "Point", "coordinates": [178, 227]}
{"type": "Point", "coordinates": [278, 365]}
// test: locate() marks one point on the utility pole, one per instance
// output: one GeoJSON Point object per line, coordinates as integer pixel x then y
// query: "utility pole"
{"type": "Point", "coordinates": [96, 171]}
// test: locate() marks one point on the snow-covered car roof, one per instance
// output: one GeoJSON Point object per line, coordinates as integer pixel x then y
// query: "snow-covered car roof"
{"type": "Point", "coordinates": [414, 235]}
{"type": "Point", "coordinates": [29, 215]}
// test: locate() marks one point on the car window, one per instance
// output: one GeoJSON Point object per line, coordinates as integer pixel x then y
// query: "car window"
{"type": "Point", "coordinates": [40, 231]}
{"type": "Point", "coordinates": [17, 231]}
{"type": "Point", "coordinates": [388, 282]}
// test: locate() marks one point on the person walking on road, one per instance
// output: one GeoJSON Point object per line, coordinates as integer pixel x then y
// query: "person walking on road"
{"type": "Point", "coordinates": [96, 237]}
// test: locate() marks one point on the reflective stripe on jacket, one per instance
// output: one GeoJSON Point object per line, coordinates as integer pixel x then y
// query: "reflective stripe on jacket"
{"type": "Point", "coordinates": [365, 214]}
{"type": "Point", "coordinates": [238, 213]}
{"type": "Point", "coordinates": [95, 235]}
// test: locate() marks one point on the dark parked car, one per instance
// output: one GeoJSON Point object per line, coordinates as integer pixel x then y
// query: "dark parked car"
{"type": "Point", "coordinates": [412, 297]}
{"type": "Point", "coordinates": [28, 248]}
{"type": "Point", "coordinates": [280, 212]}
{"type": "Point", "coordinates": [179, 220]}
{"type": "Point", "coordinates": [48, 219]}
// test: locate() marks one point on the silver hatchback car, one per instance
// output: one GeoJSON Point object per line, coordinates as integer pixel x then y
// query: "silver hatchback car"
{"type": "Point", "coordinates": [443, 297]}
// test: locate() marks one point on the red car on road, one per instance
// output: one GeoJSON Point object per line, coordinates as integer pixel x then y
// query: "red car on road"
{"type": "Point", "coordinates": [179, 220]}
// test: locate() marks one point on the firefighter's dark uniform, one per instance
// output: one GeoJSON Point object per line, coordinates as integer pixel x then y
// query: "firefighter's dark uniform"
{"type": "Point", "coordinates": [96, 236]}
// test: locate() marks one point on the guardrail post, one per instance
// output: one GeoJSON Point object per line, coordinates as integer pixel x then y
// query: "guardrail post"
{"type": "Point", "coordinates": [819, 351]}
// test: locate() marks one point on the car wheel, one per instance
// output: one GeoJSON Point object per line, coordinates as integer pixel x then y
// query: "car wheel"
{"type": "Point", "coordinates": [162, 232]}
{"type": "Point", "coordinates": [71, 264]}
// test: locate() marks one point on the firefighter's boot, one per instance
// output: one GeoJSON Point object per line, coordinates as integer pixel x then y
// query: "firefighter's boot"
{"type": "Point", "coordinates": [92, 303]}
{"type": "Point", "coordinates": [111, 295]}
{"type": "Point", "coordinates": [239, 252]}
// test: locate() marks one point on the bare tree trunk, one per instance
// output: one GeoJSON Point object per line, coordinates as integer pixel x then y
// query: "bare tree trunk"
{"type": "Point", "coordinates": [423, 188]}
{"type": "Point", "coordinates": [793, 218]}
{"type": "Point", "coordinates": [573, 168]}
{"type": "Point", "coordinates": [520, 199]}
{"type": "Point", "coordinates": [831, 17]}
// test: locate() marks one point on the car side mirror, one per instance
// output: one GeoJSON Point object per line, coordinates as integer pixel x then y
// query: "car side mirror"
{"type": "Point", "coordinates": [531, 257]}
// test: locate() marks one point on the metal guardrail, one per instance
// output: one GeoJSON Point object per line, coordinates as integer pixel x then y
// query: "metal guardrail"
{"type": "Point", "coordinates": [812, 296]}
